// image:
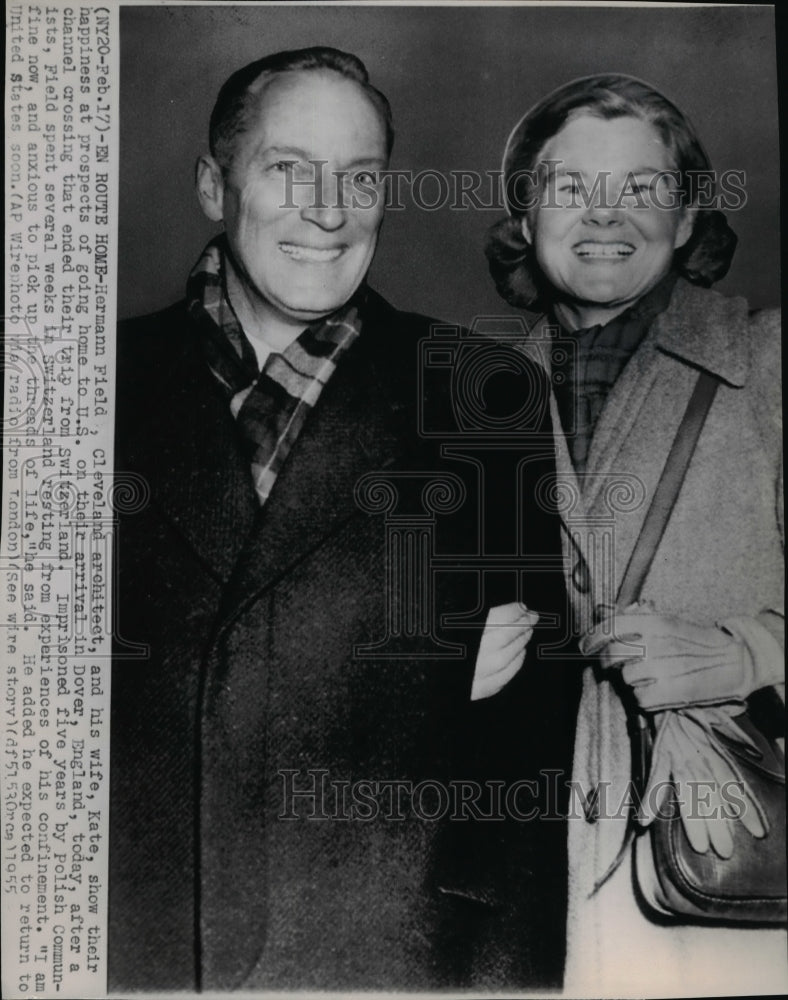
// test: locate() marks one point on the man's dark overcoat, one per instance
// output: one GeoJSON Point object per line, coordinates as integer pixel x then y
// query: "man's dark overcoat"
{"type": "Point", "coordinates": [249, 689]}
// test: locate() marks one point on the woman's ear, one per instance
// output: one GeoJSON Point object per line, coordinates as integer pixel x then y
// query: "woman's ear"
{"type": "Point", "coordinates": [525, 229]}
{"type": "Point", "coordinates": [209, 181]}
{"type": "Point", "coordinates": [686, 226]}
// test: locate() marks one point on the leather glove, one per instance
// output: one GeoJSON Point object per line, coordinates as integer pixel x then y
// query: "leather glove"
{"type": "Point", "coordinates": [672, 663]}
{"type": "Point", "coordinates": [507, 632]}
{"type": "Point", "coordinates": [711, 792]}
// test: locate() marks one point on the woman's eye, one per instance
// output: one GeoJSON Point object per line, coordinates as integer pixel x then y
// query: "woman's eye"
{"type": "Point", "coordinates": [283, 166]}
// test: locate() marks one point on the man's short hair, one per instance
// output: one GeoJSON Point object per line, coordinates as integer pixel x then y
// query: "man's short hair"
{"type": "Point", "coordinates": [231, 111]}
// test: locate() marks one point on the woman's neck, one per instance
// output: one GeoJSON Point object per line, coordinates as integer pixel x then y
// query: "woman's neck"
{"type": "Point", "coordinates": [581, 316]}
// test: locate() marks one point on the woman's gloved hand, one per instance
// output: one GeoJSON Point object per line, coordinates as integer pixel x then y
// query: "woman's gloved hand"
{"type": "Point", "coordinates": [672, 663]}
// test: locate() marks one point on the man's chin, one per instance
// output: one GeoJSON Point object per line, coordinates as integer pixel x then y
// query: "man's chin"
{"type": "Point", "coordinates": [309, 314]}
{"type": "Point", "coordinates": [310, 309]}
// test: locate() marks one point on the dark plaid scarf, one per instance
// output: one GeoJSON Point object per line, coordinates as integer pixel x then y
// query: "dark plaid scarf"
{"type": "Point", "coordinates": [271, 406]}
{"type": "Point", "coordinates": [602, 353]}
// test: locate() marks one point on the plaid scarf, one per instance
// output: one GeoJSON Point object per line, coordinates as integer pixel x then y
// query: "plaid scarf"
{"type": "Point", "coordinates": [270, 407]}
{"type": "Point", "coordinates": [602, 353]}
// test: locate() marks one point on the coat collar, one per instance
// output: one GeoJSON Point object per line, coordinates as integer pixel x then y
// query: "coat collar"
{"type": "Point", "coordinates": [707, 330]}
{"type": "Point", "coordinates": [355, 428]}
{"type": "Point", "coordinates": [175, 429]}
{"type": "Point", "coordinates": [700, 328]}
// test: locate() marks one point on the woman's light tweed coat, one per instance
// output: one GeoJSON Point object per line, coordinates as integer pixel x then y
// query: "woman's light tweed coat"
{"type": "Point", "coordinates": [721, 556]}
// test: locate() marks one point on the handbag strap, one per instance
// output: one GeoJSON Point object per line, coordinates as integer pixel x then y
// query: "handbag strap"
{"type": "Point", "coordinates": [654, 524]}
{"type": "Point", "coordinates": [670, 481]}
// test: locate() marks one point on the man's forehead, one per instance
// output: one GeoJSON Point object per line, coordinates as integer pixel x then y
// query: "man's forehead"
{"type": "Point", "coordinates": [314, 103]}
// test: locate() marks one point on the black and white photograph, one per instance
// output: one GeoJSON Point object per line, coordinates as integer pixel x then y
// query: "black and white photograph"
{"type": "Point", "coordinates": [393, 521]}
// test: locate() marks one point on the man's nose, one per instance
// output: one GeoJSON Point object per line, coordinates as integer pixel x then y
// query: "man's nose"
{"type": "Point", "coordinates": [327, 216]}
{"type": "Point", "coordinates": [324, 208]}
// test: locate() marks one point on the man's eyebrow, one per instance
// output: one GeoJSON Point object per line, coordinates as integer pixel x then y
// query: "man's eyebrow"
{"type": "Point", "coordinates": [294, 151]}
{"type": "Point", "coordinates": [367, 161]}
{"type": "Point", "coordinates": [302, 154]}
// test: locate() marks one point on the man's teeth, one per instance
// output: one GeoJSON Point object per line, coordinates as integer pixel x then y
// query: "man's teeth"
{"type": "Point", "coordinates": [313, 254]}
{"type": "Point", "coordinates": [604, 250]}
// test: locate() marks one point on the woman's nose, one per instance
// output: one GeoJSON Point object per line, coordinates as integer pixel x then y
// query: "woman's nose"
{"type": "Point", "coordinates": [600, 213]}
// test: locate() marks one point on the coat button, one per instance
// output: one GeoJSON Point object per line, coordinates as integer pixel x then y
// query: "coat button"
{"type": "Point", "coordinates": [581, 578]}
{"type": "Point", "coordinates": [602, 612]}
{"type": "Point", "coordinates": [591, 806]}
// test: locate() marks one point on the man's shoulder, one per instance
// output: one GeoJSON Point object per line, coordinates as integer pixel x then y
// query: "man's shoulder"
{"type": "Point", "coordinates": [164, 327]}
{"type": "Point", "coordinates": [392, 343]}
{"type": "Point", "coordinates": [171, 328]}
{"type": "Point", "coordinates": [381, 315]}
{"type": "Point", "coordinates": [152, 349]}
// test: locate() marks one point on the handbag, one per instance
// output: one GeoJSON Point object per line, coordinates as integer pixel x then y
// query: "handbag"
{"type": "Point", "coordinates": [672, 878]}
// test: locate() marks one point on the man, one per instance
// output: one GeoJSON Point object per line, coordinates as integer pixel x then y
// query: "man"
{"type": "Point", "coordinates": [257, 579]}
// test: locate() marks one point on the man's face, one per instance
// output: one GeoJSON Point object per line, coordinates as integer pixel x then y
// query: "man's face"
{"type": "Point", "coordinates": [299, 251]}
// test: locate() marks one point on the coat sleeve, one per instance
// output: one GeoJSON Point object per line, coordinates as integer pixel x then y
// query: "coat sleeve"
{"type": "Point", "coordinates": [765, 636]}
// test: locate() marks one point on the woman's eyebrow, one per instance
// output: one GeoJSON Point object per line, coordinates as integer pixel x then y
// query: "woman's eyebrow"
{"type": "Point", "coordinates": [652, 170]}
{"type": "Point", "coordinates": [556, 167]}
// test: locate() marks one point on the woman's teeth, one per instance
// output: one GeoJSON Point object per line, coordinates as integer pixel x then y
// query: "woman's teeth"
{"type": "Point", "coordinates": [604, 250]}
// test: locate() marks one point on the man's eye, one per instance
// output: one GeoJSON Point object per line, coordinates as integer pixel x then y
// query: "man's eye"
{"type": "Point", "coordinates": [283, 166]}
{"type": "Point", "coordinates": [569, 187]}
{"type": "Point", "coordinates": [365, 178]}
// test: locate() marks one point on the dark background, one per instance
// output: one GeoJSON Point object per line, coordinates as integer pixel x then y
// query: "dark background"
{"type": "Point", "coordinates": [458, 79]}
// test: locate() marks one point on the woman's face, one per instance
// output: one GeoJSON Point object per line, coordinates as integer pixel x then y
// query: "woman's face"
{"type": "Point", "coordinates": [609, 219]}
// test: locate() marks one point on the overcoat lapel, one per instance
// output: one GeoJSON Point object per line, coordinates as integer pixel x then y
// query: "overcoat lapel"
{"type": "Point", "coordinates": [571, 500]}
{"type": "Point", "coordinates": [201, 481]}
{"type": "Point", "coordinates": [195, 472]}
{"type": "Point", "coordinates": [698, 329]}
{"type": "Point", "coordinates": [702, 333]}
{"type": "Point", "coordinates": [616, 422]}
{"type": "Point", "coordinates": [352, 431]}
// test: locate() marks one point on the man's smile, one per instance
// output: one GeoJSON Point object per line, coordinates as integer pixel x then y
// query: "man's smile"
{"type": "Point", "coordinates": [312, 254]}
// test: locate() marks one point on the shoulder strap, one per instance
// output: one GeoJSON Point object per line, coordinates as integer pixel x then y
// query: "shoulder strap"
{"type": "Point", "coordinates": [670, 480]}
{"type": "Point", "coordinates": [667, 490]}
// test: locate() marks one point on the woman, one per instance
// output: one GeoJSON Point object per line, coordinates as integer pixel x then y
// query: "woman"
{"type": "Point", "coordinates": [609, 244]}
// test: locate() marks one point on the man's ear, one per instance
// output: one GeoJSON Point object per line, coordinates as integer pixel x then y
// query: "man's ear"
{"type": "Point", "coordinates": [209, 181]}
{"type": "Point", "coordinates": [525, 229]}
{"type": "Point", "coordinates": [686, 226]}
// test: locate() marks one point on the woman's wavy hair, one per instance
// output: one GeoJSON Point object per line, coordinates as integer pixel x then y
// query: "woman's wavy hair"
{"type": "Point", "coordinates": [704, 258]}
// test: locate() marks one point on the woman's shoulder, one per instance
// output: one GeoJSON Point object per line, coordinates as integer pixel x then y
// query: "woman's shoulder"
{"type": "Point", "coordinates": [716, 305]}
{"type": "Point", "coordinates": [765, 381]}
{"type": "Point", "coordinates": [727, 325]}
{"type": "Point", "coordinates": [740, 345]}
{"type": "Point", "coordinates": [760, 334]}
{"type": "Point", "coordinates": [766, 332]}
